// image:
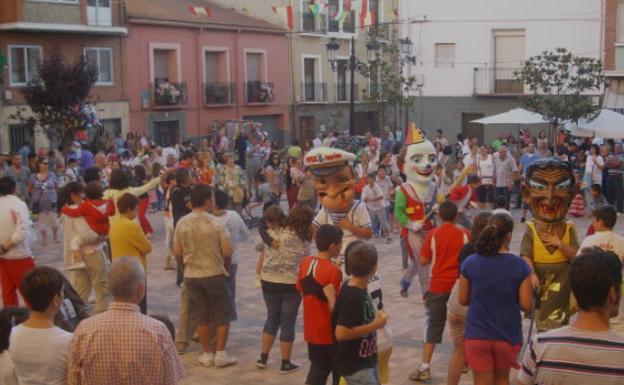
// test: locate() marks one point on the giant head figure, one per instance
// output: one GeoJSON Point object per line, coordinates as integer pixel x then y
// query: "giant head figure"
{"type": "Point", "coordinates": [420, 158]}
{"type": "Point", "coordinates": [334, 177]}
{"type": "Point", "coordinates": [549, 188]}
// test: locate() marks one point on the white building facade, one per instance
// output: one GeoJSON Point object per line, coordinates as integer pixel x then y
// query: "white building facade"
{"type": "Point", "coordinates": [467, 51]}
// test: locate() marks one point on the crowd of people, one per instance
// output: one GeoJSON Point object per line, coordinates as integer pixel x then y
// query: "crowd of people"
{"type": "Point", "coordinates": [99, 194]}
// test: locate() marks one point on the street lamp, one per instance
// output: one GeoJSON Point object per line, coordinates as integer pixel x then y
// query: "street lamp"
{"type": "Point", "coordinates": [406, 48]}
{"type": "Point", "coordinates": [332, 48]}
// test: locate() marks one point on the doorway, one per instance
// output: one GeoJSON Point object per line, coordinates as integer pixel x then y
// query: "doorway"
{"type": "Point", "coordinates": [306, 128]}
{"type": "Point", "coordinates": [167, 132]}
{"type": "Point", "coordinates": [474, 129]}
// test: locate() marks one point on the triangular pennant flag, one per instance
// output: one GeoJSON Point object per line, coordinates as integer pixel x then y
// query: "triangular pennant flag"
{"type": "Point", "coordinates": [367, 19]}
{"type": "Point", "coordinates": [286, 14]}
{"type": "Point", "coordinates": [394, 12]}
{"type": "Point", "coordinates": [355, 5]}
{"type": "Point", "coordinates": [201, 11]}
{"type": "Point", "coordinates": [244, 10]}
{"type": "Point", "coordinates": [318, 8]}
{"type": "Point", "coordinates": [340, 16]}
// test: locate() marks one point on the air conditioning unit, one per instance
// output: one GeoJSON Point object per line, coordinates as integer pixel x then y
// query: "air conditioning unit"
{"type": "Point", "coordinates": [420, 80]}
{"type": "Point", "coordinates": [595, 101]}
{"type": "Point", "coordinates": [8, 95]}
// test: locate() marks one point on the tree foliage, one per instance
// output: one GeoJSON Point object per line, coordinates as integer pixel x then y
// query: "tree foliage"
{"type": "Point", "coordinates": [57, 97]}
{"type": "Point", "coordinates": [387, 86]}
{"type": "Point", "coordinates": [557, 81]}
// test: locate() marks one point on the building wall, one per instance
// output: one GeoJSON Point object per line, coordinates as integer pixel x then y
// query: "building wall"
{"type": "Point", "coordinates": [610, 34]}
{"type": "Point", "coordinates": [470, 25]}
{"type": "Point", "coordinates": [198, 119]}
{"type": "Point", "coordinates": [10, 11]}
{"type": "Point", "coordinates": [55, 13]}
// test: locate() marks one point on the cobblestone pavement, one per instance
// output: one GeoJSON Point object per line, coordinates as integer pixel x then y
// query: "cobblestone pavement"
{"type": "Point", "coordinates": [406, 315]}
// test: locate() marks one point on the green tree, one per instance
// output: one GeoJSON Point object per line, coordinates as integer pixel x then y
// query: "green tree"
{"type": "Point", "coordinates": [57, 97]}
{"type": "Point", "coordinates": [557, 81]}
{"type": "Point", "coordinates": [388, 88]}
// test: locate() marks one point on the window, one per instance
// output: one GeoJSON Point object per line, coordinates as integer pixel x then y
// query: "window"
{"type": "Point", "coordinates": [102, 59]}
{"type": "Point", "coordinates": [445, 55]}
{"type": "Point", "coordinates": [216, 66]}
{"type": "Point", "coordinates": [18, 134]}
{"type": "Point", "coordinates": [24, 63]}
{"type": "Point", "coordinates": [508, 49]}
{"type": "Point", "coordinates": [337, 6]}
{"type": "Point", "coordinates": [58, 1]}
{"type": "Point", "coordinates": [620, 22]}
{"type": "Point", "coordinates": [341, 80]}
{"type": "Point", "coordinates": [161, 66]}
{"type": "Point", "coordinates": [99, 12]}
{"type": "Point", "coordinates": [254, 65]}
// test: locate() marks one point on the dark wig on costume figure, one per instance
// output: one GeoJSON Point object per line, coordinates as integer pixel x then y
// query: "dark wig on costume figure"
{"type": "Point", "coordinates": [493, 236]}
{"type": "Point", "coordinates": [548, 163]}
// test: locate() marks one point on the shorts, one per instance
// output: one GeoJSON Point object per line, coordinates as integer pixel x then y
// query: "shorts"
{"type": "Point", "coordinates": [368, 376]}
{"type": "Point", "coordinates": [486, 355]}
{"type": "Point", "coordinates": [457, 328]}
{"type": "Point", "coordinates": [321, 365]}
{"type": "Point", "coordinates": [485, 193]}
{"type": "Point", "coordinates": [209, 300]}
{"type": "Point", "coordinates": [435, 316]}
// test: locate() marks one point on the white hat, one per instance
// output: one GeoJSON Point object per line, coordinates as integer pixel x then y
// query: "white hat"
{"type": "Point", "coordinates": [325, 161]}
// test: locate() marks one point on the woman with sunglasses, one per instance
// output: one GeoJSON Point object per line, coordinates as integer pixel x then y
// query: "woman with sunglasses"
{"type": "Point", "coordinates": [42, 187]}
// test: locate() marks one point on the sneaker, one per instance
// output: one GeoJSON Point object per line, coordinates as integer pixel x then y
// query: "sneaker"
{"type": "Point", "coordinates": [523, 220]}
{"type": "Point", "coordinates": [77, 266]}
{"type": "Point", "coordinates": [420, 375]}
{"type": "Point", "coordinates": [404, 293]}
{"type": "Point", "coordinates": [261, 364]}
{"type": "Point", "coordinates": [222, 360]}
{"type": "Point", "coordinates": [465, 369]}
{"type": "Point", "coordinates": [289, 367]}
{"type": "Point", "coordinates": [206, 359]}
{"type": "Point", "coordinates": [389, 241]}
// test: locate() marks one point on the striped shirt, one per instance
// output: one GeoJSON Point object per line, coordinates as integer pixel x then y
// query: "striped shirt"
{"type": "Point", "coordinates": [573, 356]}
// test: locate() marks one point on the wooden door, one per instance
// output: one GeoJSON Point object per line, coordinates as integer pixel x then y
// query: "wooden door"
{"type": "Point", "coordinates": [475, 129]}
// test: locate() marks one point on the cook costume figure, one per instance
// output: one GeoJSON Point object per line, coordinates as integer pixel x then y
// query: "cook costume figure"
{"type": "Point", "coordinates": [414, 205]}
{"type": "Point", "coordinates": [550, 242]}
{"type": "Point", "coordinates": [334, 182]}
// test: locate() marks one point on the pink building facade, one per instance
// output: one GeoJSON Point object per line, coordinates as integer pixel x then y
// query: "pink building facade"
{"type": "Point", "coordinates": [187, 75]}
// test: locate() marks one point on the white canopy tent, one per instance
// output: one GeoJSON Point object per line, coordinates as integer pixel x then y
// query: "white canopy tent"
{"type": "Point", "coordinates": [604, 124]}
{"type": "Point", "coordinates": [515, 116]}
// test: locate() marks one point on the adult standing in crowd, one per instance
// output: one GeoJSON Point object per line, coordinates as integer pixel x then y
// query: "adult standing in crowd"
{"type": "Point", "coordinates": [123, 346]}
{"type": "Point", "coordinates": [505, 174]}
{"type": "Point", "coordinates": [16, 237]}
{"type": "Point", "coordinates": [439, 138]}
{"type": "Point", "coordinates": [273, 174]}
{"type": "Point", "coordinates": [232, 181]}
{"type": "Point", "coordinates": [485, 170]}
{"type": "Point", "coordinates": [87, 159]}
{"type": "Point", "coordinates": [614, 166]}
{"type": "Point", "coordinates": [593, 167]}
{"type": "Point", "coordinates": [95, 274]}
{"type": "Point", "coordinates": [203, 248]}
{"type": "Point", "coordinates": [39, 349]}
{"type": "Point", "coordinates": [43, 199]}
{"type": "Point", "coordinates": [120, 185]}
{"type": "Point", "coordinates": [20, 174]}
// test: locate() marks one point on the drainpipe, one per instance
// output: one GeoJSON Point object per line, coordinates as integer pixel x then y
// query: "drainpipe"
{"type": "Point", "coordinates": [241, 95]}
{"type": "Point", "coordinates": [201, 84]}
{"type": "Point", "coordinates": [291, 79]}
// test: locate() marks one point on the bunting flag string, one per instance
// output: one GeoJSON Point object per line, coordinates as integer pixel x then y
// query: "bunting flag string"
{"type": "Point", "coordinates": [201, 11]}
{"type": "Point", "coordinates": [286, 14]}
{"type": "Point", "coordinates": [341, 17]}
{"type": "Point", "coordinates": [244, 10]}
{"type": "Point", "coordinates": [318, 8]}
{"type": "Point", "coordinates": [367, 19]}
{"type": "Point", "coordinates": [355, 5]}
{"type": "Point", "coordinates": [394, 12]}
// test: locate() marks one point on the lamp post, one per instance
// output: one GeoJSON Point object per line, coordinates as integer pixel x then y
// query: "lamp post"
{"type": "Point", "coordinates": [406, 48]}
{"type": "Point", "coordinates": [352, 65]}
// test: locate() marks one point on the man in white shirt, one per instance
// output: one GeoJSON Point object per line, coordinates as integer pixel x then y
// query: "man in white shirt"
{"type": "Point", "coordinates": [16, 237]}
{"type": "Point", "coordinates": [605, 218]}
{"type": "Point", "coordinates": [317, 142]}
{"type": "Point", "coordinates": [373, 196]}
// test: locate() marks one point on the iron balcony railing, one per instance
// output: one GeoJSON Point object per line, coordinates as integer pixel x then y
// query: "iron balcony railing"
{"type": "Point", "coordinates": [219, 93]}
{"type": "Point", "coordinates": [258, 92]}
{"type": "Point", "coordinates": [343, 92]}
{"type": "Point", "coordinates": [497, 81]}
{"type": "Point", "coordinates": [313, 92]}
{"type": "Point", "coordinates": [169, 94]}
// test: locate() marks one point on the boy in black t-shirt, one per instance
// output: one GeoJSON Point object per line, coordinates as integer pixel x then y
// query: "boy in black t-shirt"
{"type": "Point", "coordinates": [355, 322]}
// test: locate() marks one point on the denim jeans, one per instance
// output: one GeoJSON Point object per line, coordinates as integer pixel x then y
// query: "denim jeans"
{"type": "Point", "coordinates": [232, 289]}
{"type": "Point", "coordinates": [282, 310]}
{"type": "Point", "coordinates": [503, 191]}
{"type": "Point", "coordinates": [380, 216]}
{"type": "Point", "coordinates": [368, 376]}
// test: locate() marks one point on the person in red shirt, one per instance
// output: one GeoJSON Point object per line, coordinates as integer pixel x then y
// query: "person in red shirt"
{"type": "Point", "coordinates": [464, 197]}
{"type": "Point", "coordinates": [319, 282]}
{"type": "Point", "coordinates": [442, 246]}
{"type": "Point", "coordinates": [97, 212]}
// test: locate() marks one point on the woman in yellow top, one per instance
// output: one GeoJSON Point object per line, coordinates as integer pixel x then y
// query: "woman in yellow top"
{"type": "Point", "coordinates": [120, 185]}
{"type": "Point", "coordinates": [127, 239]}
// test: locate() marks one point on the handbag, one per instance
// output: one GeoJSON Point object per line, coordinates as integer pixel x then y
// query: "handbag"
{"type": "Point", "coordinates": [238, 194]}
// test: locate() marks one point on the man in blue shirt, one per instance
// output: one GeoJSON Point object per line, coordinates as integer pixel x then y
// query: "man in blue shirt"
{"type": "Point", "coordinates": [527, 159]}
{"type": "Point", "coordinates": [24, 151]}
{"type": "Point", "coordinates": [86, 159]}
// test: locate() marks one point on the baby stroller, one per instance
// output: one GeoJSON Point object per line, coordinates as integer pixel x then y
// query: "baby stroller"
{"type": "Point", "coordinates": [250, 220]}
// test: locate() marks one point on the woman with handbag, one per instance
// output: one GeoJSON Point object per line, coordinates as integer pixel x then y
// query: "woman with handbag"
{"type": "Point", "coordinates": [593, 167]}
{"type": "Point", "coordinates": [231, 180]}
{"type": "Point", "coordinates": [42, 187]}
{"type": "Point", "coordinates": [485, 170]}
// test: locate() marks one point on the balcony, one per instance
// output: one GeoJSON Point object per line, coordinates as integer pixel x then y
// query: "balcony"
{"type": "Point", "coordinates": [343, 92]}
{"type": "Point", "coordinates": [169, 94]}
{"type": "Point", "coordinates": [313, 92]}
{"type": "Point", "coordinates": [257, 92]}
{"type": "Point", "coordinates": [347, 27]}
{"type": "Point", "coordinates": [313, 24]}
{"type": "Point", "coordinates": [497, 81]}
{"type": "Point", "coordinates": [219, 93]}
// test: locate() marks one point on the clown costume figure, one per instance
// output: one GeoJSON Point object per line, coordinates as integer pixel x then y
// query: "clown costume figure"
{"type": "Point", "coordinates": [334, 181]}
{"type": "Point", "coordinates": [414, 205]}
{"type": "Point", "coordinates": [550, 242]}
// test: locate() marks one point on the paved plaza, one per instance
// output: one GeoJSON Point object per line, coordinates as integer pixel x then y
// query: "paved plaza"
{"type": "Point", "coordinates": [406, 315]}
